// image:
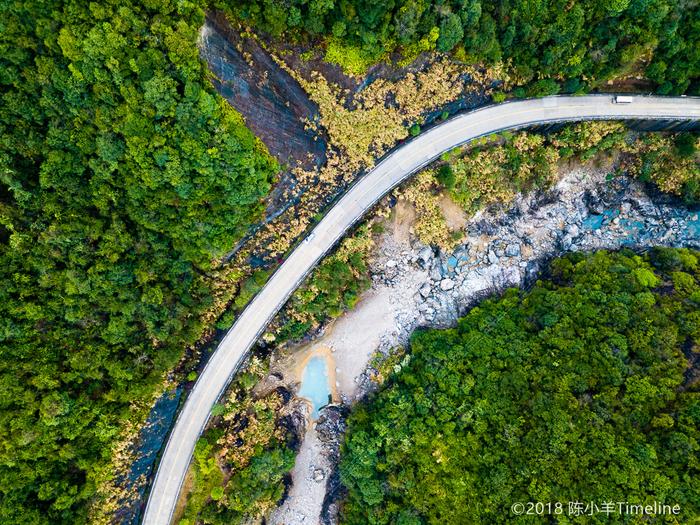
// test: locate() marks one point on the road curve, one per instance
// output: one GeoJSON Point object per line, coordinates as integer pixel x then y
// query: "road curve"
{"type": "Point", "coordinates": [391, 171]}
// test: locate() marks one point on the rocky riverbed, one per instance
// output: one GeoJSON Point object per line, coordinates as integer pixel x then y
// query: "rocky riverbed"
{"type": "Point", "coordinates": [417, 286]}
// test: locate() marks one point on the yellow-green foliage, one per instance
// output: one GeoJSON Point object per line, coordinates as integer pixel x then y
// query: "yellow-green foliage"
{"type": "Point", "coordinates": [353, 60]}
{"type": "Point", "coordinates": [240, 443]}
{"type": "Point", "coordinates": [365, 125]}
{"type": "Point", "coordinates": [673, 169]}
{"type": "Point", "coordinates": [521, 161]}
{"type": "Point", "coordinates": [430, 226]}
{"type": "Point", "coordinates": [356, 132]}
{"type": "Point", "coordinates": [587, 139]}
{"type": "Point", "coordinates": [496, 174]}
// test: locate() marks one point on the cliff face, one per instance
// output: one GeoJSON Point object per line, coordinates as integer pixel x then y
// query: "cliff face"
{"type": "Point", "coordinates": [273, 104]}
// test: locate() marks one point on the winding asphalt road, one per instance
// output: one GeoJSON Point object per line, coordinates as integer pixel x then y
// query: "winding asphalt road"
{"type": "Point", "coordinates": [391, 171]}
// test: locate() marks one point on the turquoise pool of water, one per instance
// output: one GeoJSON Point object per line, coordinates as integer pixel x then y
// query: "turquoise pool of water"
{"type": "Point", "coordinates": [315, 385]}
{"type": "Point", "coordinates": [595, 222]}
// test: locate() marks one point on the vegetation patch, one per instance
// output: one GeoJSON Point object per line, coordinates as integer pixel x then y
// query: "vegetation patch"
{"type": "Point", "coordinates": [569, 45]}
{"type": "Point", "coordinates": [511, 163]}
{"type": "Point", "coordinates": [365, 125]}
{"type": "Point", "coordinates": [577, 390]}
{"type": "Point", "coordinates": [333, 287]}
{"type": "Point", "coordinates": [670, 162]}
{"type": "Point", "coordinates": [354, 60]}
{"type": "Point", "coordinates": [237, 474]}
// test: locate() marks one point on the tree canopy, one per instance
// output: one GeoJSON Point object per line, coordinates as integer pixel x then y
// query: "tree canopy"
{"type": "Point", "coordinates": [578, 390]}
{"type": "Point", "coordinates": [123, 175]}
{"type": "Point", "coordinates": [582, 43]}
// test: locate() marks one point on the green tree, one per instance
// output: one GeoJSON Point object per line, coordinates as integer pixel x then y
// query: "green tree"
{"type": "Point", "coordinates": [451, 33]}
{"type": "Point", "coordinates": [577, 390]}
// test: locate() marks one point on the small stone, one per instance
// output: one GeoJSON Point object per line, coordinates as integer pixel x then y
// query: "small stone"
{"type": "Point", "coordinates": [425, 290]}
{"type": "Point", "coordinates": [435, 274]}
{"type": "Point", "coordinates": [447, 284]}
{"type": "Point", "coordinates": [493, 258]}
{"type": "Point", "coordinates": [391, 263]}
{"type": "Point", "coordinates": [319, 475]}
{"type": "Point", "coordinates": [461, 254]}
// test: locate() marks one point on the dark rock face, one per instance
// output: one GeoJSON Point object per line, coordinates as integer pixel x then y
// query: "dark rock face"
{"type": "Point", "coordinates": [273, 104]}
{"type": "Point", "coordinates": [295, 422]}
{"type": "Point", "coordinates": [150, 441]}
{"type": "Point", "coordinates": [331, 424]}
{"type": "Point", "coordinates": [330, 428]}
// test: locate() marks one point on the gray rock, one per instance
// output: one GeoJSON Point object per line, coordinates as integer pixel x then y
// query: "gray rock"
{"type": "Point", "coordinates": [319, 475]}
{"type": "Point", "coordinates": [646, 209]}
{"type": "Point", "coordinates": [513, 250]}
{"type": "Point", "coordinates": [425, 290]}
{"type": "Point", "coordinates": [462, 252]}
{"type": "Point", "coordinates": [493, 258]}
{"type": "Point", "coordinates": [573, 230]}
{"type": "Point", "coordinates": [447, 284]}
{"type": "Point", "coordinates": [435, 273]}
{"type": "Point", "coordinates": [426, 255]}
{"type": "Point", "coordinates": [391, 263]}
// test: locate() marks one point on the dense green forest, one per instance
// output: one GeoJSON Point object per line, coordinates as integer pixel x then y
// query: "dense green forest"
{"type": "Point", "coordinates": [582, 43]}
{"type": "Point", "coordinates": [122, 176]}
{"type": "Point", "coordinates": [578, 390]}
